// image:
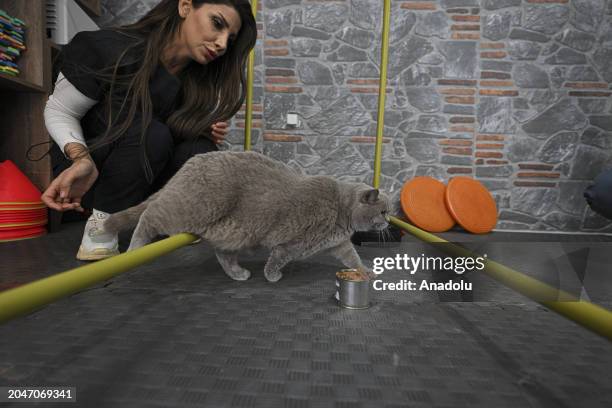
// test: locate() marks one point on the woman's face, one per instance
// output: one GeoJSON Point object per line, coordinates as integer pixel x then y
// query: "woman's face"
{"type": "Point", "coordinates": [208, 31]}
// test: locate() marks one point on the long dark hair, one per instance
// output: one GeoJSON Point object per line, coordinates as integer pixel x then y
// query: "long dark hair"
{"type": "Point", "coordinates": [210, 93]}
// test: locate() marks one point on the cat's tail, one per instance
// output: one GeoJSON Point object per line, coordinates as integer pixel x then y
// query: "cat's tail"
{"type": "Point", "coordinates": [126, 219]}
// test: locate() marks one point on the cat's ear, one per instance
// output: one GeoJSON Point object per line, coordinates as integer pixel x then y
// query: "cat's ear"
{"type": "Point", "coordinates": [370, 196]}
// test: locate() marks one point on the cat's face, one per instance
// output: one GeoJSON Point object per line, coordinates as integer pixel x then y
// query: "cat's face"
{"type": "Point", "coordinates": [370, 211]}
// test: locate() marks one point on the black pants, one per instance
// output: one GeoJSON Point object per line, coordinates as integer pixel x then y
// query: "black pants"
{"type": "Point", "coordinates": [599, 194]}
{"type": "Point", "coordinates": [122, 182]}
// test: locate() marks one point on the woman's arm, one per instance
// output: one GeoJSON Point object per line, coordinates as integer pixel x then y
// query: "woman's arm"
{"type": "Point", "coordinates": [63, 113]}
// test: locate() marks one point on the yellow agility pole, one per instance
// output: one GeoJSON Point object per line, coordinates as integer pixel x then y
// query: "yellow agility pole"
{"type": "Point", "coordinates": [382, 92]}
{"type": "Point", "coordinates": [27, 298]}
{"type": "Point", "coordinates": [586, 314]}
{"type": "Point", "coordinates": [248, 119]}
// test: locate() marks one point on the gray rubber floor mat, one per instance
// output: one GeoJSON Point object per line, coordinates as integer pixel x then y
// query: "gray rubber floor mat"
{"type": "Point", "coordinates": [177, 333]}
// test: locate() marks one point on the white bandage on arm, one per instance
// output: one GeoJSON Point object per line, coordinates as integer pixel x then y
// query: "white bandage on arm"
{"type": "Point", "coordinates": [63, 113]}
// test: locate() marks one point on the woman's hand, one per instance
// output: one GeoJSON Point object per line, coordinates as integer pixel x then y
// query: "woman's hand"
{"type": "Point", "coordinates": [67, 189]}
{"type": "Point", "coordinates": [219, 132]}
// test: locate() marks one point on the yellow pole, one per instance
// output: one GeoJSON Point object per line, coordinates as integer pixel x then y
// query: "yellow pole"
{"type": "Point", "coordinates": [27, 298]}
{"type": "Point", "coordinates": [248, 121]}
{"type": "Point", "coordinates": [589, 315]}
{"type": "Point", "coordinates": [382, 88]}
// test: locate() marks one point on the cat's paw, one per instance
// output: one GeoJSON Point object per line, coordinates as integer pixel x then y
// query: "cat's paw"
{"type": "Point", "coordinates": [240, 275]}
{"type": "Point", "coordinates": [274, 277]}
{"type": "Point", "coordinates": [367, 271]}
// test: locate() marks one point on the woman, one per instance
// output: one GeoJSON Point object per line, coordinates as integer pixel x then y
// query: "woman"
{"type": "Point", "coordinates": [132, 104]}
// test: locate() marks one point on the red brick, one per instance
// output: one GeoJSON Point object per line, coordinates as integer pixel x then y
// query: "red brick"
{"type": "Point", "coordinates": [496, 82]}
{"type": "Point", "coordinates": [493, 54]}
{"type": "Point", "coordinates": [463, 151]}
{"type": "Point", "coordinates": [459, 170]}
{"type": "Point", "coordinates": [534, 184]}
{"type": "Point", "coordinates": [461, 35]}
{"type": "Point", "coordinates": [281, 80]}
{"type": "Point", "coordinates": [457, 91]}
{"type": "Point", "coordinates": [479, 161]}
{"type": "Point", "coordinates": [538, 175]}
{"type": "Point", "coordinates": [492, 45]}
{"type": "Point", "coordinates": [462, 119]}
{"type": "Point", "coordinates": [489, 145]}
{"type": "Point", "coordinates": [465, 27]}
{"type": "Point", "coordinates": [498, 92]}
{"type": "Point", "coordinates": [455, 142]}
{"type": "Point", "coordinates": [463, 100]}
{"type": "Point", "coordinates": [279, 72]}
{"type": "Point", "coordinates": [255, 124]}
{"type": "Point", "coordinates": [468, 129]}
{"type": "Point", "coordinates": [494, 75]}
{"type": "Point", "coordinates": [367, 90]}
{"type": "Point", "coordinates": [490, 155]}
{"type": "Point", "coordinates": [496, 162]}
{"type": "Point", "coordinates": [418, 6]}
{"type": "Point", "coordinates": [466, 18]}
{"type": "Point", "coordinates": [256, 108]}
{"type": "Point", "coordinates": [276, 137]}
{"type": "Point", "coordinates": [491, 138]}
{"type": "Point", "coordinates": [276, 43]}
{"type": "Point", "coordinates": [368, 139]}
{"type": "Point", "coordinates": [283, 89]}
{"type": "Point", "coordinates": [276, 52]}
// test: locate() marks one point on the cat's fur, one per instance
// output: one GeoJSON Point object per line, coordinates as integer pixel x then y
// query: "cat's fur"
{"type": "Point", "coordinates": [241, 200]}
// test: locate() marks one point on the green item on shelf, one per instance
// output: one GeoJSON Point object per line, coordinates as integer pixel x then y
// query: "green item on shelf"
{"type": "Point", "coordinates": [8, 71]}
{"type": "Point", "coordinates": [14, 20]}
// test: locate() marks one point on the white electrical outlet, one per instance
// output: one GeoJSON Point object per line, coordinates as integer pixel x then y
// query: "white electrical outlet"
{"type": "Point", "coordinates": [293, 119]}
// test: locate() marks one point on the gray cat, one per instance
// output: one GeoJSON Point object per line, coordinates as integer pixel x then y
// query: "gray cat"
{"type": "Point", "coordinates": [242, 200]}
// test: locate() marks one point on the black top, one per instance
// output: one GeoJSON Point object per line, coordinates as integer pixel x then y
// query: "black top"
{"type": "Point", "coordinates": [98, 51]}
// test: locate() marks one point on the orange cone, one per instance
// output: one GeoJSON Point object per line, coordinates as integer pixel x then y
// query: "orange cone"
{"type": "Point", "coordinates": [22, 213]}
{"type": "Point", "coordinates": [15, 187]}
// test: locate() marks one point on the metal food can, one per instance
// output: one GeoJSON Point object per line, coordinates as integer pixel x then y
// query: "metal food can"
{"type": "Point", "coordinates": [352, 289]}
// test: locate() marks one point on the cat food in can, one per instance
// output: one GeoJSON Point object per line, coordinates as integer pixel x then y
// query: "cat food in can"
{"type": "Point", "coordinates": [353, 289]}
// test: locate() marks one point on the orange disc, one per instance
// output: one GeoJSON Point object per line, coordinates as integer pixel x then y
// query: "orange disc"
{"type": "Point", "coordinates": [471, 204]}
{"type": "Point", "coordinates": [422, 200]}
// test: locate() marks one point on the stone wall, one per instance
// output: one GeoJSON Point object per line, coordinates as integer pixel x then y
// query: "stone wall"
{"type": "Point", "coordinates": [515, 93]}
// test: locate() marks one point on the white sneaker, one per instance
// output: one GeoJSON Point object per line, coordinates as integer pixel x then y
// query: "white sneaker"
{"type": "Point", "coordinates": [98, 246]}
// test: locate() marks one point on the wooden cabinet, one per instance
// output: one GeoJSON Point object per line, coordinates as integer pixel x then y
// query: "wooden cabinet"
{"type": "Point", "coordinates": [23, 98]}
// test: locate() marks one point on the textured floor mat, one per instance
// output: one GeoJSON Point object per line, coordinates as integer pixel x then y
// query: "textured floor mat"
{"type": "Point", "coordinates": [178, 332]}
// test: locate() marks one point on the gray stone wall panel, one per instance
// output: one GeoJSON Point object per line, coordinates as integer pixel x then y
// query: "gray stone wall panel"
{"type": "Point", "coordinates": [513, 93]}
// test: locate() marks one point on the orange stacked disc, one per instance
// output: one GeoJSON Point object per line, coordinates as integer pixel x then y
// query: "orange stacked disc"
{"type": "Point", "coordinates": [422, 200]}
{"type": "Point", "coordinates": [471, 205]}
{"type": "Point", "coordinates": [22, 214]}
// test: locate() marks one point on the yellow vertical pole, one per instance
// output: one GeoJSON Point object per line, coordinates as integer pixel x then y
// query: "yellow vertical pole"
{"type": "Point", "coordinates": [249, 91]}
{"type": "Point", "coordinates": [382, 91]}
